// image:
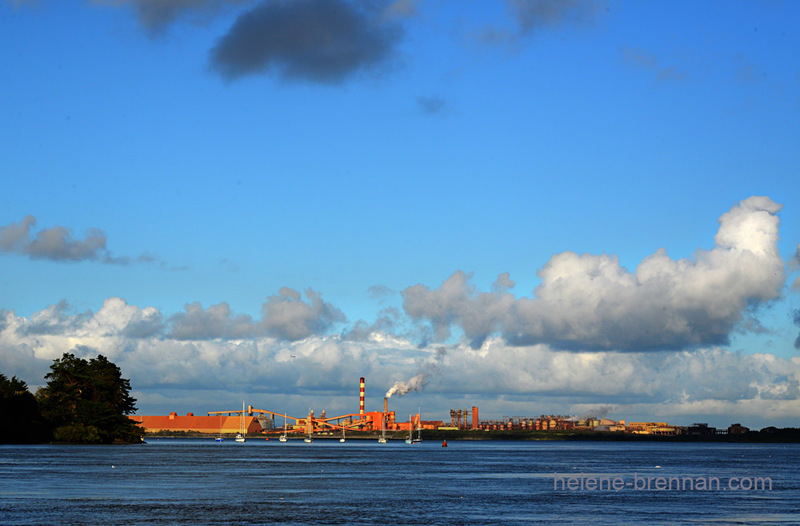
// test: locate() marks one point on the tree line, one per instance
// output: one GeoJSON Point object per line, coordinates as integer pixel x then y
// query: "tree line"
{"type": "Point", "coordinates": [83, 401]}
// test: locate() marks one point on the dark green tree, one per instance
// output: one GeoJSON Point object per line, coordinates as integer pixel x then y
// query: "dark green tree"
{"type": "Point", "coordinates": [21, 422]}
{"type": "Point", "coordinates": [88, 401]}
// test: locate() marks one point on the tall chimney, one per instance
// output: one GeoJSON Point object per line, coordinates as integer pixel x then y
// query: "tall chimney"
{"type": "Point", "coordinates": [475, 422]}
{"type": "Point", "coordinates": [361, 400]}
{"type": "Point", "coordinates": [386, 406]}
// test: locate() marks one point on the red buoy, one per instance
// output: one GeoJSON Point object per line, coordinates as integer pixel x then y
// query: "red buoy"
{"type": "Point", "coordinates": [444, 443]}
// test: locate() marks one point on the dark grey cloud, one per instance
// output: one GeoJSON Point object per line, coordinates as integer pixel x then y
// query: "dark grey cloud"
{"type": "Point", "coordinates": [456, 303]}
{"type": "Point", "coordinates": [58, 244]}
{"type": "Point", "coordinates": [217, 321]}
{"type": "Point", "coordinates": [590, 302]}
{"type": "Point", "coordinates": [286, 316]}
{"type": "Point", "coordinates": [796, 319]}
{"type": "Point", "coordinates": [148, 327]}
{"type": "Point", "coordinates": [55, 320]}
{"type": "Point", "coordinates": [322, 41]}
{"type": "Point", "coordinates": [54, 243]}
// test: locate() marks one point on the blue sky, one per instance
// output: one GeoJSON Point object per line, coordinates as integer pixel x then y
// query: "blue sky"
{"type": "Point", "coordinates": [230, 159]}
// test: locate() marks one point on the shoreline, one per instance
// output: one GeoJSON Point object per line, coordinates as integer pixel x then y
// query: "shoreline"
{"type": "Point", "coordinates": [768, 435]}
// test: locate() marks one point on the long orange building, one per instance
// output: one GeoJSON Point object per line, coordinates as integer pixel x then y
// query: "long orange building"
{"type": "Point", "coordinates": [199, 424]}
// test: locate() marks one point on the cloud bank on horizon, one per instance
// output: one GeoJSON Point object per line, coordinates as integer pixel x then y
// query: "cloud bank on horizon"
{"type": "Point", "coordinates": [586, 304]}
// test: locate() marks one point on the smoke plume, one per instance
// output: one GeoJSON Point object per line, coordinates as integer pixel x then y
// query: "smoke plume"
{"type": "Point", "coordinates": [403, 388]}
{"type": "Point", "coordinates": [418, 382]}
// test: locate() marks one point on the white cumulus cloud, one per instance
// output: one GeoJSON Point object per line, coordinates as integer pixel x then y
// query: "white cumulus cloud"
{"type": "Point", "coordinates": [591, 302]}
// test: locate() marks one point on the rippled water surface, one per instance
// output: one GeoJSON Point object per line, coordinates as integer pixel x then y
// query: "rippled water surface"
{"type": "Point", "coordinates": [199, 481]}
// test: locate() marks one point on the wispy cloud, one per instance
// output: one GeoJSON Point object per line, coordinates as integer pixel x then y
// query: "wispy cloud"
{"type": "Point", "coordinates": [58, 244]}
{"type": "Point", "coordinates": [641, 59]}
{"type": "Point", "coordinates": [531, 16]}
{"type": "Point", "coordinates": [534, 14]}
{"type": "Point", "coordinates": [433, 105]}
{"type": "Point", "coordinates": [157, 15]}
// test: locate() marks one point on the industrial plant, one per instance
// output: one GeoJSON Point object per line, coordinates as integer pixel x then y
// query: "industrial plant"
{"type": "Point", "coordinates": [254, 421]}
{"type": "Point", "coordinates": [251, 420]}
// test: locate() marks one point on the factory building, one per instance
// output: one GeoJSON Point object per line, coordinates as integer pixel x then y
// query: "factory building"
{"type": "Point", "coordinates": [653, 428]}
{"type": "Point", "coordinates": [198, 424]}
{"type": "Point", "coordinates": [262, 420]}
{"type": "Point", "coordinates": [460, 418]}
{"type": "Point", "coordinates": [266, 421]}
{"type": "Point", "coordinates": [701, 430]}
{"type": "Point", "coordinates": [738, 429]}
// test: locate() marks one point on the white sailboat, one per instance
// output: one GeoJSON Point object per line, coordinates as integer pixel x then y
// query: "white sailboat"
{"type": "Point", "coordinates": [342, 439]}
{"type": "Point", "coordinates": [382, 439]}
{"type": "Point", "coordinates": [419, 429]}
{"type": "Point", "coordinates": [411, 439]}
{"type": "Point", "coordinates": [242, 431]}
{"type": "Point", "coordinates": [219, 437]}
{"type": "Point", "coordinates": [283, 435]}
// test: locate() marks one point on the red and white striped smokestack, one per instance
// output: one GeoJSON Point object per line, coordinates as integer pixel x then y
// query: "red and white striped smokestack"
{"type": "Point", "coordinates": [361, 400]}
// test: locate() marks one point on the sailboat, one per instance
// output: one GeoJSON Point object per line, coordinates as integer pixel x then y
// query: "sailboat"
{"type": "Point", "coordinates": [309, 426]}
{"type": "Point", "coordinates": [411, 439]}
{"type": "Point", "coordinates": [419, 430]}
{"type": "Point", "coordinates": [283, 435]}
{"type": "Point", "coordinates": [242, 430]}
{"type": "Point", "coordinates": [382, 439]}
{"type": "Point", "coordinates": [219, 437]}
{"type": "Point", "coordinates": [342, 439]}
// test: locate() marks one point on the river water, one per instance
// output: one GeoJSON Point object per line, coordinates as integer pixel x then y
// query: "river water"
{"type": "Point", "coordinates": [199, 481]}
